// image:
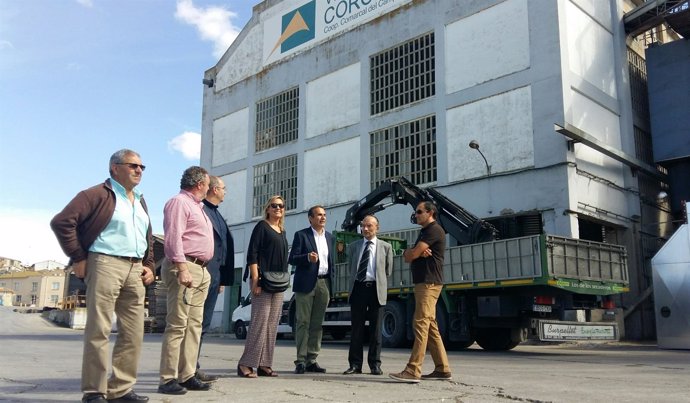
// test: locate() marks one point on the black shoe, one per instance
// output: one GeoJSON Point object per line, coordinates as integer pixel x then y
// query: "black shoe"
{"type": "Point", "coordinates": [352, 370]}
{"type": "Point", "coordinates": [376, 371]}
{"type": "Point", "coordinates": [130, 397]}
{"type": "Point", "coordinates": [195, 384]}
{"type": "Point", "coordinates": [299, 368]}
{"type": "Point", "coordinates": [204, 377]}
{"type": "Point", "coordinates": [93, 398]}
{"type": "Point", "coordinates": [314, 367]}
{"type": "Point", "coordinates": [171, 388]}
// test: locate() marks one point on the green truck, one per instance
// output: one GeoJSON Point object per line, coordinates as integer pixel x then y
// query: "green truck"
{"type": "Point", "coordinates": [497, 292]}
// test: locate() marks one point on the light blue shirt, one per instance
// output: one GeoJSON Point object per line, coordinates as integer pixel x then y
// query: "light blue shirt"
{"type": "Point", "coordinates": [125, 234]}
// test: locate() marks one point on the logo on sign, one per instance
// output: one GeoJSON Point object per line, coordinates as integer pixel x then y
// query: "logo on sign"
{"type": "Point", "coordinates": [297, 27]}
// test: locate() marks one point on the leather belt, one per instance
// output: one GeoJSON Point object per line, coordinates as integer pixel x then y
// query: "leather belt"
{"type": "Point", "coordinates": [367, 283]}
{"type": "Point", "coordinates": [127, 258]}
{"type": "Point", "coordinates": [196, 260]}
{"type": "Point", "coordinates": [322, 276]}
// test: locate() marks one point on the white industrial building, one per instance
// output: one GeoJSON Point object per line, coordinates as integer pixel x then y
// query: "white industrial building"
{"type": "Point", "coordinates": [321, 100]}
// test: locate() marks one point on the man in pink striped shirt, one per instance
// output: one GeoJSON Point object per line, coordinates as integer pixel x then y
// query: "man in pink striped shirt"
{"type": "Point", "coordinates": [188, 248]}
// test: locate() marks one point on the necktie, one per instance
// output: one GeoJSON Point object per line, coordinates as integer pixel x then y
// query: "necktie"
{"type": "Point", "coordinates": [363, 263]}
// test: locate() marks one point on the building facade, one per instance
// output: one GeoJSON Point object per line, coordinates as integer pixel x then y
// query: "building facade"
{"type": "Point", "coordinates": [34, 288]}
{"type": "Point", "coordinates": [321, 101]}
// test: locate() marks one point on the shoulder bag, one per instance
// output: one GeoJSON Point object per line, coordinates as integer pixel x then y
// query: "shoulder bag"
{"type": "Point", "coordinates": [274, 281]}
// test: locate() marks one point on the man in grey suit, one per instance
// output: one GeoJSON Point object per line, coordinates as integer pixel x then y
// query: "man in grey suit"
{"type": "Point", "coordinates": [370, 261]}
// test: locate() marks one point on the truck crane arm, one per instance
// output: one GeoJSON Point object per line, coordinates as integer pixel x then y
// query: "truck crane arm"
{"type": "Point", "coordinates": [462, 225]}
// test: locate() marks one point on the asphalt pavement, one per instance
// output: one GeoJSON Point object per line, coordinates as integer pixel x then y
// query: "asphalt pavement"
{"type": "Point", "coordinates": [41, 362]}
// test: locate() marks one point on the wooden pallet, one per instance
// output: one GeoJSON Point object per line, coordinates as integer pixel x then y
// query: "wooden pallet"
{"type": "Point", "coordinates": [73, 301]}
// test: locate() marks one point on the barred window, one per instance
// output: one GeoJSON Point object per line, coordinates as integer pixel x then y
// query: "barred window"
{"type": "Point", "coordinates": [408, 150]}
{"type": "Point", "coordinates": [637, 67]}
{"type": "Point", "coordinates": [277, 177]}
{"type": "Point", "coordinates": [649, 187]}
{"type": "Point", "coordinates": [277, 119]}
{"type": "Point", "coordinates": [403, 75]}
{"type": "Point", "coordinates": [643, 145]}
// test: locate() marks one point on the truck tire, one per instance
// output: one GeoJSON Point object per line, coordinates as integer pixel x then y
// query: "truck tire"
{"type": "Point", "coordinates": [444, 328]}
{"type": "Point", "coordinates": [338, 334]}
{"type": "Point", "coordinates": [393, 324]}
{"type": "Point", "coordinates": [460, 345]}
{"type": "Point", "coordinates": [497, 339]}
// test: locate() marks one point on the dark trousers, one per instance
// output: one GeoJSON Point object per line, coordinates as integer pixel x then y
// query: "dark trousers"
{"type": "Point", "coordinates": [209, 306]}
{"type": "Point", "coordinates": [364, 305]}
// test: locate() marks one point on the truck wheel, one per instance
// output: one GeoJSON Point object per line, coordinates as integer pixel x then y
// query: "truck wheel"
{"type": "Point", "coordinates": [240, 330]}
{"type": "Point", "coordinates": [460, 345]}
{"type": "Point", "coordinates": [497, 339]}
{"type": "Point", "coordinates": [444, 329]}
{"type": "Point", "coordinates": [393, 324]}
{"type": "Point", "coordinates": [338, 334]}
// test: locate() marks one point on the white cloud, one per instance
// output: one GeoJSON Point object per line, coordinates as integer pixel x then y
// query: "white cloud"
{"type": "Point", "coordinates": [187, 143]}
{"type": "Point", "coordinates": [85, 3]}
{"type": "Point", "coordinates": [6, 45]}
{"type": "Point", "coordinates": [26, 236]}
{"type": "Point", "coordinates": [213, 24]}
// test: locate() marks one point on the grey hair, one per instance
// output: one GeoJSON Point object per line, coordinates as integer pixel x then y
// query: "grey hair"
{"type": "Point", "coordinates": [119, 156]}
{"type": "Point", "coordinates": [192, 176]}
{"type": "Point", "coordinates": [213, 181]}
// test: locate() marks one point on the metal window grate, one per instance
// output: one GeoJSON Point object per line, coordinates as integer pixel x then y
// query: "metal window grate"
{"type": "Point", "coordinates": [408, 149]}
{"type": "Point", "coordinates": [277, 119]}
{"type": "Point", "coordinates": [272, 178]}
{"type": "Point", "coordinates": [403, 75]}
{"type": "Point", "coordinates": [638, 84]}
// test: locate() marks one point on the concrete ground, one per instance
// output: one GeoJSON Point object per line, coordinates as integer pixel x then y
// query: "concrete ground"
{"type": "Point", "coordinates": [40, 362]}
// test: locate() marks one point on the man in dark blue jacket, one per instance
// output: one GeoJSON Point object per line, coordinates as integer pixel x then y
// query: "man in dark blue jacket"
{"type": "Point", "coordinates": [221, 266]}
{"type": "Point", "coordinates": [311, 254]}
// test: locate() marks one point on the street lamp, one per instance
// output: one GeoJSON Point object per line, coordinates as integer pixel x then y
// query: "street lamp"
{"type": "Point", "coordinates": [475, 146]}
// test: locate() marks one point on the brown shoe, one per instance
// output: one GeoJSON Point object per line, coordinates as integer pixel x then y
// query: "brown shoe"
{"type": "Point", "coordinates": [405, 377]}
{"type": "Point", "coordinates": [438, 376]}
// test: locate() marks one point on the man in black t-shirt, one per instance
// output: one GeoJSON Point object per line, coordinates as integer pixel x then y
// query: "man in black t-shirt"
{"type": "Point", "coordinates": [426, 263]}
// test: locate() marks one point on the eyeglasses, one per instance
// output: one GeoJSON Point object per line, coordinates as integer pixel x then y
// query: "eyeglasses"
{"type": "Point", "coordinates": [133, 166]}
{"type": "Point", "coordinates": [277, 205]}
{"type": "Point", "coordinates": [194, 291]}
{"type": "Point", "coordinates": [419, 212]}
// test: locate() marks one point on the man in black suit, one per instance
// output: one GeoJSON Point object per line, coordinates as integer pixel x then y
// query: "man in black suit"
{"type": "Point", "coordinates": [311, 254]}
{"type": "Point", "coordinates": [221, 266]}
{"type": "Point", "coordinates": [370, 261]}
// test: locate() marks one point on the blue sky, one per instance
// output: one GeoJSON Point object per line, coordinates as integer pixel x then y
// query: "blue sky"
{"type": "Point", "coordinates": [80, 79]}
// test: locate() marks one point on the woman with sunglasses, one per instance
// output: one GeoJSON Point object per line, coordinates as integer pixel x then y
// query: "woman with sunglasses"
{"type": "Point", "coordinates": [268, 250]}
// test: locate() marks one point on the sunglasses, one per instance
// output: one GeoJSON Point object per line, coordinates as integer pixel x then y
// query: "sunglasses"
{"type": "Point", "coordinates": [133, 166]}
{"type": "Point", "coordinates": [418, 212]}
{"type": "Point", "coordinates": [277, 205]}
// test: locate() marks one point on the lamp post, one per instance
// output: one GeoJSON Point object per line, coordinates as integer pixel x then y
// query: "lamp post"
{"type": "Point", "coordinates": [474, 144]}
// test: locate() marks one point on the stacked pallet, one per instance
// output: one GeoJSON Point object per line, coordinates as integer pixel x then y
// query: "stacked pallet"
{"type": "Point", "coordinates": [157, 294]}
{"type": "Point", "coordinates": [73, 301]}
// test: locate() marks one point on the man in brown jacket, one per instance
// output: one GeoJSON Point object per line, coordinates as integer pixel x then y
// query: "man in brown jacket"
{"type": "Point", "coordinates": [106, 232]}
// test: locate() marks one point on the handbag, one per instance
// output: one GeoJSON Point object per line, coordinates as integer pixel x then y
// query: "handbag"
{"type": "Point", "coordinates": [274, 281]}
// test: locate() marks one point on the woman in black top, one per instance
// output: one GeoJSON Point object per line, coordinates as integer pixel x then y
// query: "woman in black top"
{"type": "Point", "coordinates": [267, 249]}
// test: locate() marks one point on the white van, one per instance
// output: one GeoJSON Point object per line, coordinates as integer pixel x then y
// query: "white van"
{"type": "Point", "coordinates": [241, 316]}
